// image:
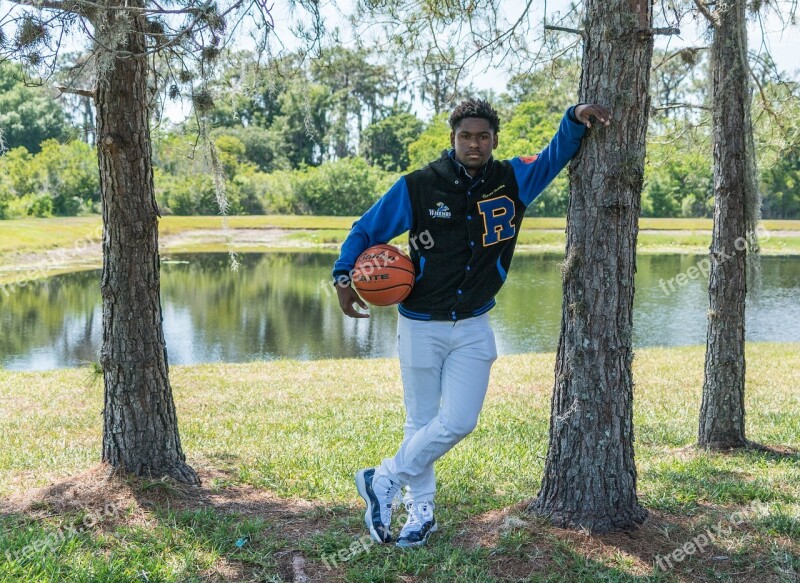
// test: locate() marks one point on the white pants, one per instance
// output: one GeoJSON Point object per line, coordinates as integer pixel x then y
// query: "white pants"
{"type": "Point", "coordinates": [445, 369]}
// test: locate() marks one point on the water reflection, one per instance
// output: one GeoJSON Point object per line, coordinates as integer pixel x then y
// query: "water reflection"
{"type": "Point", "coordinates": [279, 305]}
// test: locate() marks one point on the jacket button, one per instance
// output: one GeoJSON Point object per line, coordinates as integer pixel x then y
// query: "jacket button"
{"type": "Point", "coordinates": [468, 267]}
{"type": "Point", "coordinates": [456, 181]}
{"type": "Point", "coordinates": [459, 292]}
{"type": "Point", "coordinates": [469, 217]}
{"type": "Point", "coordinates": [472, 243]}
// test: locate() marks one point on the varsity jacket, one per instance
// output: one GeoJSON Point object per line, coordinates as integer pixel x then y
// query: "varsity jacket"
{"type": "Point", "coordinates": [462, 232]}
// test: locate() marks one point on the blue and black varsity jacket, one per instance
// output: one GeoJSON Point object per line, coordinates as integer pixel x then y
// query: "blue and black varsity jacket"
{"type": "Point", "coordinates": [462, 233]}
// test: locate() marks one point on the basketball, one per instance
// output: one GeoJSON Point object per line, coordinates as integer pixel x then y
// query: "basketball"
{"type": "Point", "coordinates": [383, 275]}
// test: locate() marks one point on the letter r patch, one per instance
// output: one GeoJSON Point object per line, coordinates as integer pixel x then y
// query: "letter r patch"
{"type": "Point", "coordinates": [498, 219]}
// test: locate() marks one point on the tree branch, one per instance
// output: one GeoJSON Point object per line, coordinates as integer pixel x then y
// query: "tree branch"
{"type": "Point", "coordinates": [661, 31]}
{"type": "Point", "coordinates": [765, 103]}
{"type": "Point", "coordinates": [578, 31]}
{"type": "Point", "coordinates": [70, 6]}
{"type": "Point", "coordinates": [678, 53]}
{"type": "Point", "coordinates": [76, 91]}
{"type": "Point", "coordinates": [669, 106]}
{"type": "Point", "coordinates": [701, 6]}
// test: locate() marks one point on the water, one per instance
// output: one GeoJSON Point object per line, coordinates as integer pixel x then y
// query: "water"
{"type": "Point", "coordinates": [280, 305]}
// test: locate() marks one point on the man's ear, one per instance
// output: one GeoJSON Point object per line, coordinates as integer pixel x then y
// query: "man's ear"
{"type": "Point", "coordinates": [494, 143]}
{"type": "Point", "coordinates": [452, 139]}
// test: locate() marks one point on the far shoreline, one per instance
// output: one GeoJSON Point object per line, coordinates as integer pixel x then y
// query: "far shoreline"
{"type": "Point", "coordinates": [33, 249]}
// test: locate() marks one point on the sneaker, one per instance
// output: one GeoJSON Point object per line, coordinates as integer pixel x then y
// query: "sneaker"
{"type": "Point", "coordinates": [419, 526]}
{"type": "Point", "coordinates": [379, 495]}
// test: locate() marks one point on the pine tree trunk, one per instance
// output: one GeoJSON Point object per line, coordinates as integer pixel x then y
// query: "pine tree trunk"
{"type": "Point", "coordinates": [140, 433]}
{"type": "Point", "coordinates": [590, 477]}
{"type": "Point", "coordinates": [722, 409]}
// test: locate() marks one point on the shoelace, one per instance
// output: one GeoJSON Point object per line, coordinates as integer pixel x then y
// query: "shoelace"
{"type": "Point", "coordinates": [393, 496]}
{"type": "Point", "coordinates": [416, 513]}
{"type": "Point", "coordinates": [397, 501]}
{"type": "Point", "coordinates": [390, 507]}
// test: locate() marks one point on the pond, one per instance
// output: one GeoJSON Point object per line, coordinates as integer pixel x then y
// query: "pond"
{"type": "Point", "coordinates": [280, 305]}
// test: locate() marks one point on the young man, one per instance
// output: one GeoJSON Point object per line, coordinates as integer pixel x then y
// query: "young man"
{"type": "Point", "coordinates": [468, 207]}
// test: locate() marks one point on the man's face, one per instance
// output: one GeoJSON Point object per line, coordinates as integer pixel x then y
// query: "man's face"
{"type": "Point", "coordinates": [473, 140]}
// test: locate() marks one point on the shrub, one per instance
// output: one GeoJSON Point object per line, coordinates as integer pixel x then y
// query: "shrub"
{"type": "Point", "coordinates": [345, 187]}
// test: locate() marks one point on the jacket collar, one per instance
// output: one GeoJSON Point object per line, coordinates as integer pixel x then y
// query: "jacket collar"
{"type": "Point", "coordinates": [461, 171]}
{"type": "Point", "coordinates": [452, 170]}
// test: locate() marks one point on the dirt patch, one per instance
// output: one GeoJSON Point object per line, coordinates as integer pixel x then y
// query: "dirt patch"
{"type": "Point", "coordinates": [88, 254]}
{"type": "Point", "coordinates": [233, 237]}
{"type": "Point", "coordinates": [525, 546]}
{"type": "Point", "coordinates": [110, 500]}
{"type": "Point", "coordinates": [24, 267]}
{"type": "Point", "coordinates": [520, 545]}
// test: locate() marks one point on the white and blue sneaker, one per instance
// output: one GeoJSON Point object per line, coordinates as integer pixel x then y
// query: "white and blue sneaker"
{"type": "Point", "coordinates": [419, 525]}
{"type": "Point", "coordinates": [378, 494]}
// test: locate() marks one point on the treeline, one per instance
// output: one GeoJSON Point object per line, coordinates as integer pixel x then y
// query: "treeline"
{"type": "Point", "coordinates": [330, 136]}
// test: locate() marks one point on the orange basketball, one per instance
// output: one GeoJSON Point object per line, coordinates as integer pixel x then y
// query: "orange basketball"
{"type": "Point", "coordinates": [383, 275]}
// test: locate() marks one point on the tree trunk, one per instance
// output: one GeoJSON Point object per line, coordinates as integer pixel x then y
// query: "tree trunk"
{"type": "Point", "coordinates": [722, 409]}
{"type": "Point", "coordinates": [590, 477]}
{"type": "Point", "coordinates": [140, 432]}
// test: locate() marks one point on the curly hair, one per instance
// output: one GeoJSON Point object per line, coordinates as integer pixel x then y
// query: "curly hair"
{"type": "Point", "coordinates": [475, 108]}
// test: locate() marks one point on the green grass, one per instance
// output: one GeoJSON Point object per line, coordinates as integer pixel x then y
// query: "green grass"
{"type": "Point", "coordinates": [277, 444]}
{"type": "Point", "coordinates": [31, 235]}
{"type": "Point", "coordinates": [34, 248]}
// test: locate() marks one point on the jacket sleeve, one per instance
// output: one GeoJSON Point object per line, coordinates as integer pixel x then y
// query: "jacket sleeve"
{"type": "Point", "coordinates": [386, 219]}
{"type": "Point", "coordinates": [534, 173]}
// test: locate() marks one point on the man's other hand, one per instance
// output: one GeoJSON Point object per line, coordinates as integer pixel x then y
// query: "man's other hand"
{"type": "Point", "coordinates": [348, 297]}
{"type": "Point", "coordinates": [585, 111]}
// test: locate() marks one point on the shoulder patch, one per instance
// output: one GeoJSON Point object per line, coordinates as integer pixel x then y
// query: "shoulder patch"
{"type": "Point", "coordinates": [528, 159]}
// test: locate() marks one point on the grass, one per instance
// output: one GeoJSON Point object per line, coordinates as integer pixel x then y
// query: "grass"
{"type": "Point", "coordinates": [34, 248]}
{"type": "Point", "coordinates": [31, 235]}
{"type": "Point", "coordinates": [276, 446]}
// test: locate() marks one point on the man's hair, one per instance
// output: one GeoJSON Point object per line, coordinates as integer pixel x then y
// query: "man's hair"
{"type": "Point", "coordinates": [475, 108]}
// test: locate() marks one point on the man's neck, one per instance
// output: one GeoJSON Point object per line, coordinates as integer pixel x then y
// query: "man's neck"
{"type": "Point", "coordinates": [473, 173]}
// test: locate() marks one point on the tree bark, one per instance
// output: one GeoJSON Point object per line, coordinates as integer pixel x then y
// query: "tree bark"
{"type": "Point", "coordinates": [722, 409]}
{"type": "Point", "coordinates": [590, 477]}
{"type": "Point", "coordinates": [140, 432]}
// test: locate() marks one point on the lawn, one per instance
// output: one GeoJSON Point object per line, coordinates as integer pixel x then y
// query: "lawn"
{"type": "Point", "coordinates": [35, 248]}
{"type": "Point", "coordinates": [276, 444]}
{"type": "Point", "coordinates": [31, 235]}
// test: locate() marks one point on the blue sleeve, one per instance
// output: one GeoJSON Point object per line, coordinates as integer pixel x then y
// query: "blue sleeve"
{"type": "Point", "coordinates": [385, 220]}
{"type": "Point", "coordinates": [534, 173]}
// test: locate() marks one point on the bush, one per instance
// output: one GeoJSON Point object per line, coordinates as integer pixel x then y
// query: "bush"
{"type": "Point", "coordinates": [274, 193]}
{"type": "Point", "coordinates": [184, 177]}
{"type": "Point", "coordinates": [780, 186]}
{"type": "Point", "coordinates": [679, 181]}
{"type": "Point", "coordinates": [6, 192]}
{"type": "Point", "coordinates": [64, 174]}
{"type": "Point", "coordinates": [385, 143]}
{"type": "Point", "coordinates": [187, 195]}
{"type": "Point", "coordinates": [262, 147]}
{"type": "Point", "coordinates": [38, 206]}
{"type": "Point", "coordinates": [428, 147]}
{"type": "Point", "coordinates": [343, 188]}
{"type": "Point", "coordinates": [71, 175]}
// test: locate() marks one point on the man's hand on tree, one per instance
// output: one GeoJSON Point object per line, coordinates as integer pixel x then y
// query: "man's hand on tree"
{"type": "Point", "coordinates": [585, 111]}
{"type": "Point", "coordinates": [347, 297]}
